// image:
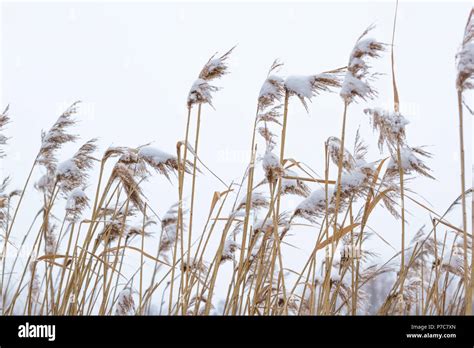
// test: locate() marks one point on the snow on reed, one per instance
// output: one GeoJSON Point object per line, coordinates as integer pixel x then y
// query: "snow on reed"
{"type": "Point", "coordinates": [334, 149]}
{"type": "Point", "coordinates": [257, 200]}
{"type": "Point", "coordinates": [4, 120]}
{"type": "Point", "coordinates": [353, 185]}
{"type": "Point", "coordinates": [73, 172]}
{"type": "Point", "coordinates": [410, 162]}
{"type": "Point", "coordinates": [52, 140]}
{"type": "Point", "coordinates": [164, 163]}
{"type": "Point", "coordinates": [125, 303]}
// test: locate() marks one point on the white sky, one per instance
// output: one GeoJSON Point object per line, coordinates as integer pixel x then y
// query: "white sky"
{"type": "Point", "coordinates": [132, 65]}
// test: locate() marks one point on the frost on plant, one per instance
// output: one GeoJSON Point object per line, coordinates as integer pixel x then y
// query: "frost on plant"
{"type": "Point", "coordinates": [356, 82]}
{"type": "Point", "coordinates": [306, 87]}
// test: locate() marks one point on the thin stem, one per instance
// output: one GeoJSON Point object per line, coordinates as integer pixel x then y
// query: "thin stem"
{"type": "Point", "coordinates": [402, 207]}
{"type": "Point", "coordinates": [467, 284]}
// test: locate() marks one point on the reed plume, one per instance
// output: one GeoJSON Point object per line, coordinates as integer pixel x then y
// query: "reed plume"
{"type": "Point", "coordinates": [4, 120]}
{"type": "Point", "coordinates": [238, 262]}
{"type": "Point", "coordinates": [464, 81]}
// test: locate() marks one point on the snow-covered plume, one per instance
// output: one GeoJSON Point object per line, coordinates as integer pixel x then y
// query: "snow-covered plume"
{"type": "Point", "coordinates": [125, 175]}
{"type": "Point", "coordinates": [125, 303]}
{"type": "Point", "coordinates": [201, 90]}
{"type": "Point", "coordinates": [130, 158]}
{"type": "Point", "coordinates": [114, 151]}
{"type": "Point", "coordinates": [164, 163]}
{"type": "Point", "coordinates": [454, 263]}
{"type": "Point", "coordinates": [3, 197]}
{"type": "Point", "coordinates": [197, 306]}
{"type": "Point", "coordinates": [334, 150]}
{"type": "Point", "coordinates": [271, 115]}
{"type": "Point", "coordinates": [306, 87]}
{"type": "Point", "coordinates": [169, 228]}
{"type": "Point", "coordinates": [73, 172]}
{"type": "Point", "coordinates": [410, 162]}
{"type": "Point", "coordinates": [118, 211]}
{"type": "Point", "coordinates": [356, 81]}
{"type": "Point", "coordinates": [50, 239]}
{"type": "Point", "coordinates": [353, 185]}
{"type": "Point", "coordinates": [113, 229]}
{"type": "Point", "coordinates": [196, 266]}
{"type": "Point", "coordinates": [52, 140]}
{"type": "Point", "coordinates": [293, 186]}
{"type": "Point", "coordinates": [230, 247]}
{"type": "Point", "coordinates": [139, 230]}
{"type": "Point", "coordinates": [137, 160]}
{"type": "Point", "coordinates": [4, 120]}
{"type": "Point", "coordinates": [390, 125]}
{"type": "Point", "coordinates": [314, 205]}
{"type": "Point", "coordinates": [266, 225]}
{"type": "Point", "coordinates": [215, 67]}
{"type": "Point", "coordinates": [272, 90]}
{"type": "Point", "coordinates": [5, 202]}
{"type": "Point", "coordinates": [201, 93]}
{"type": "Point", "coordinates": [268, 136]}
{"type": "Point", "coordinates": [77, 201]}
{"type": "Point", "coordinates": [34, 283]}
{"type": "Point", "coordinates": [45, 183]}
{"type": "Point", "coordinates": [271, 166]}
{"type": "Point", "coordinates": [465, 57]}
{"type": "Point", "coordinates": [257, 200]}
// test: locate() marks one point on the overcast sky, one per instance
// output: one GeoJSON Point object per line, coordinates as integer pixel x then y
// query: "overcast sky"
{"type": "Point", "coordinates": [132, 65]}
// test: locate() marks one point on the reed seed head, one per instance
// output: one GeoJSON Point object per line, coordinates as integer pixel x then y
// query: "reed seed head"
{"type": "Point", "coordinates": [334, 148]}
{"type": "Point", "coordinates": [306, 87]}
{"type": "Point", "coordinates": [356, 82]}
{"type": "Point", "coordinates": [465, 57]}
{"type": "Point", "coordinates": [410, 162]}
{"type": "Point", "coordinates": [77, 202]}
{"type": "Point", "coordinates": [52, 140]}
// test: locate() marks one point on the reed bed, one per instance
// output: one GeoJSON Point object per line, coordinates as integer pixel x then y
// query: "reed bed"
{"type": "Point", "coordinates": [86, 250]}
